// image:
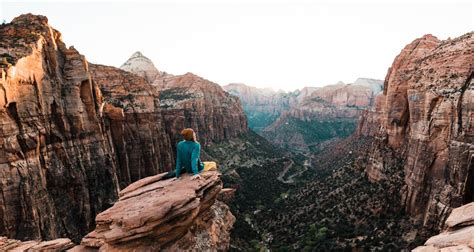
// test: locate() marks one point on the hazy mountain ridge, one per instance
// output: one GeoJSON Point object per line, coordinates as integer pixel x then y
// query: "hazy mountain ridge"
{"type": "Point", "coordinates": [306, 119]}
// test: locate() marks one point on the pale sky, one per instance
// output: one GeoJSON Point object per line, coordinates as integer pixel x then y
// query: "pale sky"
{"type": "Point", "coordinates": [279, 44]}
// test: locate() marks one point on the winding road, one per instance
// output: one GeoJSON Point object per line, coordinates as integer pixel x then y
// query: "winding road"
{"type": "Point", "coordinates": [290, 179]}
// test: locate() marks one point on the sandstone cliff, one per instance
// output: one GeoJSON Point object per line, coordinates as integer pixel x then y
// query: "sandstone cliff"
{"type": "Point", "coordinates": [192, 101]}
{"type": "Point", "coordinates": [57, 167]}
{"type": "Point", "coordinates": [134, 122]}
{"type": "Point", "coordinates": [423, 119]}
{"type": "Point", "coordinates": [73, 133]}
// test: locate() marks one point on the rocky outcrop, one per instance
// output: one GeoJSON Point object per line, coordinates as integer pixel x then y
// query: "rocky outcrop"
{"type": "Point", "coordinates": [424, 118]}
{"type": "Point", "coordinates": [141, 66]}
{"type": "Point", "coordinates": [458, 234]}
{"type": "Point", "coordinates": [134, 121]}
{"type": "Point", "coordinates": [61, 244]}
{"type": "Point", "coordinates": [154, 214]}
{"type": "Point", "coordinates": [57, 167]}
{"type": "Point", "coordinates": [168, 215]}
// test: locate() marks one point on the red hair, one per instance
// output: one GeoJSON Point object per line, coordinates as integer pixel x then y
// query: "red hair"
{"type": "Point", "coordinates": [188, 134]}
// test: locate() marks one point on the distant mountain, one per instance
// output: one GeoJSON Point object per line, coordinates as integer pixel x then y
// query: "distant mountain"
{"type": "Point", "coordinates": [263, 105]}
{"type": "Point", "coordinates": [141, 66]}
{"type": "Point", "coordinates": [306, 119]}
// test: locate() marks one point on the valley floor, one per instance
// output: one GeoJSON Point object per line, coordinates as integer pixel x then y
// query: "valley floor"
{"type": "Point", "coordinates": [287, 201]}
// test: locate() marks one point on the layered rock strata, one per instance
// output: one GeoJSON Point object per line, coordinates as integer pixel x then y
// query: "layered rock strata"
{"type": "Point", "coordinates": [133, 118]}
{"type": "Point", "coordinates": [192, 101]}
{"type": "Point", "coordinates": [169, 215]}
{"type": "Point", "coordinates": [61, 244]}
{"type": "Point", "coordinates": [424, 117]}
{"type": "Point", "coordinates": [57, 169]}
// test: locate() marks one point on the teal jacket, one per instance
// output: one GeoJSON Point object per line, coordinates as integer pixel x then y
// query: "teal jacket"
{"type": "Point", "coordinates": [187, 157]}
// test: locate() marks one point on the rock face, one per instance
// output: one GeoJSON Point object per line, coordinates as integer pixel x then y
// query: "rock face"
{"type": "Point", "coordinates": [168, 215]}
{"type": "Point", "coordinates": [192, 101]}
{"type": "Point", "coordinates": [424, 118]}
{"type": "Point", "coordinates": [133, 117]}
{"type": "Point", "coordinates": [57, 167]}
{"type": "Point", "coordinates": [458, 234]}
{"type": "Point", "coordinates": [73, 133]}
{"type": "Point", "coordinates": [141, 66]}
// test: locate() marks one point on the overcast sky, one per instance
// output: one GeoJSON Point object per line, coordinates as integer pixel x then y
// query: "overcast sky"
{"type": "Point", "coordinates": [279, 44]}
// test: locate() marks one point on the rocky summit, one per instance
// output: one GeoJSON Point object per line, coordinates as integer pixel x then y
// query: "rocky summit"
{"type": "Point", "coordinates": [141, 66]}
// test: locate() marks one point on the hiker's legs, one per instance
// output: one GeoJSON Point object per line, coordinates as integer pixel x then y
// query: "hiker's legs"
{"type": "Point", "coordinates": [170, 174]}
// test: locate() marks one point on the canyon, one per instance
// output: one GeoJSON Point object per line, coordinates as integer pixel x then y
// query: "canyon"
{"type": "Point", "coordinates": [409, 162]}
{"type": "Point", "coordinates": [367, 165]}
{"type": "Point", "coordinates": [308, 119]}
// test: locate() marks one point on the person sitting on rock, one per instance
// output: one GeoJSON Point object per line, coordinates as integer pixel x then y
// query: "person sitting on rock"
{"type": "Point", "coordinates": [188, 153]}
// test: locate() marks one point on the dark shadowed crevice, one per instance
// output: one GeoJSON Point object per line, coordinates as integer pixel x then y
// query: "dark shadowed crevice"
{"type": "Point", "coordinates": [469, 187]}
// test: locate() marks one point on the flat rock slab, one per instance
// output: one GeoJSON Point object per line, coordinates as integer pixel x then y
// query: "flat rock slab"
{"type": "Point", "coordinates": [453, 238]}
{"type": "Point", "coordinates": [461, 216]}
{"type": "Point", "coordinates": [61, 244]}
{"type": "Point", "coordinates": [153, 212]}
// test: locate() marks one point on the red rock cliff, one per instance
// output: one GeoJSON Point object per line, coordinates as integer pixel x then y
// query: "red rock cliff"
{"type": "Point", "coordinates": [73, 133]}
{"type": "Point", "coordinates": [424, 118]}
{"type": "Point", "coordinates": [57, 167]}
{"type": "Point", "coordinates": [133, 117]}
{"type": "Point", "coordinates": [192, 101]}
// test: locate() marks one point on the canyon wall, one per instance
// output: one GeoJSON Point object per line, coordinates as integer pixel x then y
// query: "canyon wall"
{"type": "Point", "coordinates": [57, 167]}
{"type": "Point", "coordinates": [424, 119]}
{"type": "Point", "coordinates": [73, 133]}
{"type": "Point", "coordinates": [192, 101]}
{"type": "Point", "coordinates": [132, 116]}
